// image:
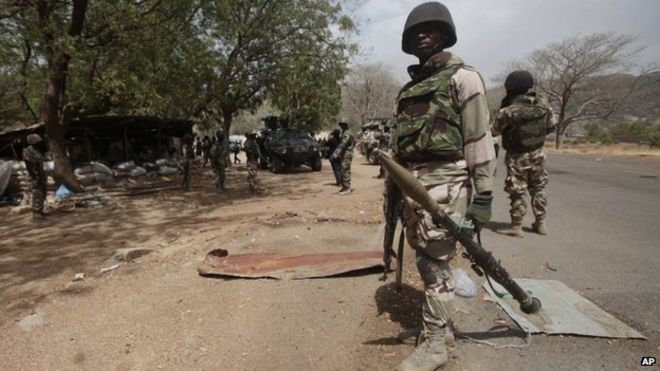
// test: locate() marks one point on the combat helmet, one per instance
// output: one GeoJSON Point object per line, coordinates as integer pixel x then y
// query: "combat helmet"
{"type": "Point", "coordinates": [519, 80]}
{"type": "Point", "coordinates": [344, 121]}
{"type": "Point", "coordinates": [429, 12]}
{"type": "Point", "coordinates": [33, 139]}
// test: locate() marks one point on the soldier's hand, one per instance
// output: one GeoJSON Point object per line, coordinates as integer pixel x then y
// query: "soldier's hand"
{"type": "Point", "coordinates": [481, 208]}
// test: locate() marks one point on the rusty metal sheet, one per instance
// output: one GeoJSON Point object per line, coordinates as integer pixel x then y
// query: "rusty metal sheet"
{"type": "Point", "coordinates": [564, 311]}
{"type": "Point", "coordinates": [288, 266]}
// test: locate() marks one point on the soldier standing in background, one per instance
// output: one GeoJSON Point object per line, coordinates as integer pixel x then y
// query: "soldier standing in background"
{"type": "Point", "coordinates": [524, 120]}
{"type": "Point", "coordinates": [253, 154]}
{"type": "Point", "coordinates": [33, 155]}
{"type": "Point", "coordinates": [441, 133]}
{"type": "Point", "coordinates": [206, 149]}
{"type": "Point", "coordinates": [187, 156]}
{"type": "Point", "coordinates": [344, 153]}
{"type": "Point", "coordinates": [218, 158]}
{"type": "Point", "coordinates": [332, 144]}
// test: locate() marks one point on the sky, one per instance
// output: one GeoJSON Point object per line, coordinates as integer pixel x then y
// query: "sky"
{"type": "Point", "coordinates": [493, 32]}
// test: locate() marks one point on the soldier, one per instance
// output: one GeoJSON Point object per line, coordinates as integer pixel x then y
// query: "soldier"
{"type": "Point", "coordinates": [206, 148]}
{"type": "Point", "coordinates": [441, 134]}
{"type": "Point", "coordinates": [187, 157]}
{"type": "Point", "coordinates": [524, 120]}
{"type": "Point", "coordinates": [218, 157]}
{"type": "Point", "coordinates": [332, 144]}
{"type": "Point", "coordinates": [344, 153]}
{"type": "Point", "coordinates": [33, 155]}
{"type": "Point", "coordinates": [253, 154]}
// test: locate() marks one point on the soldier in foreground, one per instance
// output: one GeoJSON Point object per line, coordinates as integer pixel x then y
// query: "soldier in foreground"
{"type": "Point", "coordinates": [253, 154]}
{"type": "Point", "coordinates": [441, 134]}
{"type": "Point", "coordinates": [344, 153]}
{"type": "Point", "coordinates": [524, 120]}
{"type": "Point", "coordinates": [33, 155]}
{"type": "Point", "coordinates": [218, 157]}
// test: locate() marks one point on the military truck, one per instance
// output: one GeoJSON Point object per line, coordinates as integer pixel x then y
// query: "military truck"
{"type": "Point", "coordinates": [284, 148]}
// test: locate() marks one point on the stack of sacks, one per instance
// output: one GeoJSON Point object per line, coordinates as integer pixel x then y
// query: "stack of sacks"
{"type": "Point", "coordinates": [166, 166]}
{"type": "Point", "coordinates": [94, 173]}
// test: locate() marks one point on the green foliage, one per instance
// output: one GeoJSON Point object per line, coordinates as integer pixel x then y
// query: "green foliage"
{"type": "Point", "coordinates": [637, 132]}
{"type": "Point", "coordinates": [593, 131]}
{"type": "Point", "coordinates": [206, 60]}
{"type": "Point", "coordinates": [654, 135]}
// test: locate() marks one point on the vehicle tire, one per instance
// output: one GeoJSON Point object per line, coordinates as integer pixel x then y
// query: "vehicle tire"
{"type": "Point", "coordinates": [278, 165]}
{"type": "Point", "coordinates": [371, 158]}
{"type": "Point", "coordinates": [316, 164]}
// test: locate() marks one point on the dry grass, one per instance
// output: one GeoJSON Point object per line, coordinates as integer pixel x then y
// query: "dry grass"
{"type": "Point", "coordinates": [622, 149]}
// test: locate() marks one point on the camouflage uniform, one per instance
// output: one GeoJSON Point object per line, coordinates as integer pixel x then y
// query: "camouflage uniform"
{"type": "Point", "coordinates": [34, 162]}
{"type": "Point", "coordinates": [186, 165]}
{"type": "Point", "coordinates": [253, 155]}
{"type": "Point", "coordinates": [524, 125]}
{"type": "Point", "coordinates": [344, 152]}
{"type": "Point", "coordinates": [441, 134]}
{"type": "Point", "coordinates": [218, 157]}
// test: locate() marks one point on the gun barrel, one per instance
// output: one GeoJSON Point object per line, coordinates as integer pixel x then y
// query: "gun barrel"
{"type": "Point", "coordinates": [415, 190]}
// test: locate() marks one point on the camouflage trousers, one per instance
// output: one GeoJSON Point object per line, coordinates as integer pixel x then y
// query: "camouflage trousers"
{"type": "Point", "coordinates": [186, 169]}
{"type": "Point", "coordinates": [526, 172]}
{"type": "Point", "coordinates": [336, 170]}
{"type": "Point", "coordinates": [435, 247]}
{"type": "Point", "coordinates": [252, 167]}
{"type": "Point", "coordinates": [345, 171]}
{"type": "Point", "coordinates": [219, 171]}
{"type": "Point", "coordinates": [38, 190]}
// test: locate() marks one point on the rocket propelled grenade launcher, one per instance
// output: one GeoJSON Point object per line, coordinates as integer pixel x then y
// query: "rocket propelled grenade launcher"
{"type": "Point", "coordinates": [483, 261]}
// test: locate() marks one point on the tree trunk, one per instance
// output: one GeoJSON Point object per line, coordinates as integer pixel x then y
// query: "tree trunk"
{"type": "Point", "coordinates": [559, 136]}
{"type": "Point", "coordinates": [58, 65]}
{"type": "Point", "coordinates": [227, 118]}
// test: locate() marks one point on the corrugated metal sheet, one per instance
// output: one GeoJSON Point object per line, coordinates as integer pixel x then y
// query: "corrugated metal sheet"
{"type": "Point", "coordinates": [288, 266]}
{"type": "Point", "coordinates": [564, 311]}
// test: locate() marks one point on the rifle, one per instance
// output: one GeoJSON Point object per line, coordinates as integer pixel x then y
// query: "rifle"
{"type": "Point", "coordinates": [483, 261]}
{"type": "Point", "coordinates": [392, 211]}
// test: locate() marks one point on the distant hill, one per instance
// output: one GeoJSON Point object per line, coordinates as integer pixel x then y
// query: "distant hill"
{"type": "Point", "coordinates": [644, 104]}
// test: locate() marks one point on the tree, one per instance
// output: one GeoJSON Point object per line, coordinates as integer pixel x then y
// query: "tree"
{"type": "Point", "coordinates": [370, 90]}
{"type": "Point", "coordinates": [255, 40]}
{"type": "Point", "coordinates": [567, 73]}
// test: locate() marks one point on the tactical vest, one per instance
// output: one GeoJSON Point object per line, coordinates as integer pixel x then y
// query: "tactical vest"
{"type": "Point", "coordinates": [528, 126]}
{"type": "Point", "coordinates": [427, 125]}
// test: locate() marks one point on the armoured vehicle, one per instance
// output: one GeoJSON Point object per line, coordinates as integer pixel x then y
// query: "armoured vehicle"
{"type": "Point", "coordinates": [283, 147]}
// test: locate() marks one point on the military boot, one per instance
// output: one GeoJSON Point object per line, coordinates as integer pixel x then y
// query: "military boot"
{"type": "Point", "coordinates": [344, 192]}
{"type": "Point", "coordinates": [411, 336]}
{"type": "Point", "coordinates": [514, 231]}
{"type": "Point", "coordinates": [539, 227]}
{"type": "Point", "coordinates": [430, 353]}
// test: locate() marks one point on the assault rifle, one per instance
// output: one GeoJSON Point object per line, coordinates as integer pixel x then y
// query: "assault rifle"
{"type": "Point", "coordinates": [392, 211]}
{"type": "Point", "coordinates": [483, 261]}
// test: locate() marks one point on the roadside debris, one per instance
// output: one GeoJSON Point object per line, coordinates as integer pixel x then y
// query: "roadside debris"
{"type": "Point", "coordinates": [110, 268]}
{"type": "Point", "coordinates": [78, 277]}
{"type": "Point", "coordinates": [464, 286]}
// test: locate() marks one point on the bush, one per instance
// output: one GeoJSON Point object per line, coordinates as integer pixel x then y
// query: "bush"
{"type": "Point", "coordinates": [606, 139]}
{"type": "Point", "coordinates": [592, 131]}
{"type": "Point", "coordinates": [637, 132]}
{"type": "Point", "coordinates": [653, 136]}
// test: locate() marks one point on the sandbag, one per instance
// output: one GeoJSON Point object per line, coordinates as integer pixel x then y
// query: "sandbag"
{"type": "Point", "coordinates": [166, 170]}
{"type": "Point", "coordinates": [125, 166]}
{"type": "Point", "coordinates": [137, 172]}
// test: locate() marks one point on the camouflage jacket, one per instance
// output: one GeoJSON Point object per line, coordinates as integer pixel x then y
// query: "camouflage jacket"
{"type": "Point", "coordinates": [251, 147]}
{"type": "Point", "coordinates": [442, 124]}
{"type": "Point", "coordinates": [34, 162]}
{"type": "Point", "coordinates": [346, 145]}
{"type": "Point", "coordinates": [524, 124]}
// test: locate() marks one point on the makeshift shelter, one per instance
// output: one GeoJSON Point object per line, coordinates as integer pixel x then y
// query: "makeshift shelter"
{"type": "Point", "coordinates": [111, 139]}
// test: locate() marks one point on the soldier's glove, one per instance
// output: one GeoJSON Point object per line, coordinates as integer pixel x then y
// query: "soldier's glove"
{"type": "Point", "coordinates": [480, 209]}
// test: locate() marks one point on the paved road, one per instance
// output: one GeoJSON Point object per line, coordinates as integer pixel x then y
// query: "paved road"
{"type": "Point", "coordinates": [604, 242]}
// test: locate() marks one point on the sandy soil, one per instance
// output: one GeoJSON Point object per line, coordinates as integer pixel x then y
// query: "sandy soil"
{"type": "Point", "coordinates": [156, 312]}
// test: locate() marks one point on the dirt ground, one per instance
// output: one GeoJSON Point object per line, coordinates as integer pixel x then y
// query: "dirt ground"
{"type": "Point", "coordinates": [155, 312]}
